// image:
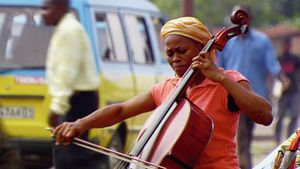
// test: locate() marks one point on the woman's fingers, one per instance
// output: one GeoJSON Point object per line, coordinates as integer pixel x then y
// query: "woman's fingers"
{"type": "Point", "coordinates": [202, 56]}
{"type": "Point", "coordinates": [205, 55]}
{"type": "Point", "coordinates": [64, 133]}
{"type": "Point", "coordinates": [200, 62]}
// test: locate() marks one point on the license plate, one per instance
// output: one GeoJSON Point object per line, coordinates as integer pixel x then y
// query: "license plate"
{"type": "Point", "coordinates": [16, 112]}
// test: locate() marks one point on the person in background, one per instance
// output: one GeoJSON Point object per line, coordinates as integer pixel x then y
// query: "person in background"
{"type": "Point", "coordinates": [253, 56]}
{"type": "Point", "coordinates": [290, 98]}
{"type": "Point", "coordinates": [221, 94]}
{"type": "Point", "coordinates": [72, 79]}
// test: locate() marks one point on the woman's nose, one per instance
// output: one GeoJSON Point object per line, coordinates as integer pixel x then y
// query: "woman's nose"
{"type": "Point", "coordinates": [176, 58]}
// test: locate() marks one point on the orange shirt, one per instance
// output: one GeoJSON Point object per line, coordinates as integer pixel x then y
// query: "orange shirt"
{"type": "Point", "coordinates": [212, 98]}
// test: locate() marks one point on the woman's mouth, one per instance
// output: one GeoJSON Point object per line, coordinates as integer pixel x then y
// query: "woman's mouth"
{"type": "Point", "coordinates": [179, 69]}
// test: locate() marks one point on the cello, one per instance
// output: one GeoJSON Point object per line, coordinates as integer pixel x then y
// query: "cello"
{"type": "Point", "coordinates": [168, 139]}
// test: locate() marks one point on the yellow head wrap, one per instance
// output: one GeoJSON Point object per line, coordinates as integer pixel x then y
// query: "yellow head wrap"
{"type": "Point", "coordinates": [189, 27]}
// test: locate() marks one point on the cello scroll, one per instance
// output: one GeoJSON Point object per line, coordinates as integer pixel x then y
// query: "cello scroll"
{"type": "Point", "coordinates": [238, 17]}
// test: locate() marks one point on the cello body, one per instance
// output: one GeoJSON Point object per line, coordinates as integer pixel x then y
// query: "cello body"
{"type": "Point", "coordinates": [183, 137]}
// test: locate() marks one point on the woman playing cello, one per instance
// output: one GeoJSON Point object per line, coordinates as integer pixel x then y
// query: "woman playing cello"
{"type": "Point", "coordinates": [220, 93]}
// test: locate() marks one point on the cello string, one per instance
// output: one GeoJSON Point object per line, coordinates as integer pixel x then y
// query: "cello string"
{"type": "Point", "coordinates": [121, 165]}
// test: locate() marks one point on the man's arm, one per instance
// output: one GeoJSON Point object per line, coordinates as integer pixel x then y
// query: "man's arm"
{"type": "Point", "coordinates": [284, 80]}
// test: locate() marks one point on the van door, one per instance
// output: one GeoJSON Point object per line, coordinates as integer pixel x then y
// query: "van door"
{"type": "Point", "coordinates": [143, 48]}
{"type": "Point", "coordinates": [164, 69]}
{"type": "Point", "coordinates": [23, 92]}
{"type": "Point", "coordinates": [148, 64]}
{"type": "Point", "coordinates": [115, 70]}
{"type": "Point", "coordinates": [146, 48]}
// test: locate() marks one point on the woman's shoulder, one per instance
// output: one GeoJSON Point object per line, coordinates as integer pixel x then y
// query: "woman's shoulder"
{"type": "Point", "coordinates": [170, 80]}
{"type": "Point", "coordinates": [166, 84]}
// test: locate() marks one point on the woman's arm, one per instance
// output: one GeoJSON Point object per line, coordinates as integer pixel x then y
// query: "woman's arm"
{"type": "Point", "coordinates": [255, 106]}
{"type": "Point", "coordinates": [104, 117]}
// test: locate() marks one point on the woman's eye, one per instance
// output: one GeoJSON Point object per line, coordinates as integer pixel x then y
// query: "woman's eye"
{"type": "Point", "coordinates": [169, 53]}
{"type": "Point", "coordinates": [181, 50]}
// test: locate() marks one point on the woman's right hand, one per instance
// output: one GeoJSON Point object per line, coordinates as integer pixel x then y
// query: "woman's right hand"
{"type": "Point", "coordinates": [65, 132]}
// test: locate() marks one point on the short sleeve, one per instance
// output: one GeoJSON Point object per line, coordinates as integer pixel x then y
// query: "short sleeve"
{"type": "Point", "coordinates": [162, 90]}
{"type": "Point", "coordinates": [156, 92]}
{"type": "Point", "coordinates": [236, 76]}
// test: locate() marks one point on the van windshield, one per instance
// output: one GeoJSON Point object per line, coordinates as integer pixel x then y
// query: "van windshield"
{"type": "Point", "coordinates": [24, 38]}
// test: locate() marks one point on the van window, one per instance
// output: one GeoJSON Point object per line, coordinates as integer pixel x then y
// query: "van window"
{"type": "Point", "coordinates": [157, 23]}
{"type": "Point", "coordinates": [23, 38]}
{"type": "Point", "coordinates": [139, 39]}
{"type": "Point", "coordinates": [111, 41]}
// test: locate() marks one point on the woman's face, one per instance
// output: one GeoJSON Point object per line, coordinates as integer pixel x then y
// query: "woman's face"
{"type": "Point", "coordinates": [179, 51]}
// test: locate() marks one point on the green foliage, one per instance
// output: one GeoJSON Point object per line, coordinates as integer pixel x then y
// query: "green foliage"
{"type": "Point", "coordinates": [170, 8]}
{"type": "Point", "coordinates": [217, 12]}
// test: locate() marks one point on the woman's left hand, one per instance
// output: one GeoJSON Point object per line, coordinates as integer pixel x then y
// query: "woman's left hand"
{"type": "Point", "coordinates": [207, 67]}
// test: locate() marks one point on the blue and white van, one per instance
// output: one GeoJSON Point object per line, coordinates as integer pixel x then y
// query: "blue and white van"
{"type": "Point", "coordinates": [128, 53]}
